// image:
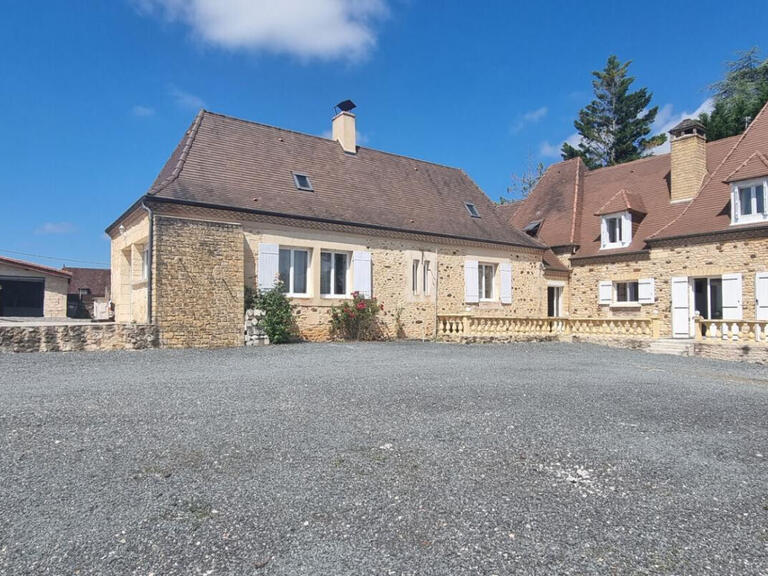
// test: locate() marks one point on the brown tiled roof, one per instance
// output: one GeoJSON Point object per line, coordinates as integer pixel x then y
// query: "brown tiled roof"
{"type": "Point", "coordinates": [97, 280]}
{"type": "Point", "coordinates": [555, 202]}
{"type": "Point", "coordinates": [710, 210]}
{"type": "Point", "coordinates": [24, 265]}
{"type": "Point", "coordinates": [754, 166]}
{"type": "Point", "coordinates": [552, 262]}
{"type": "Point", "coordinates": [621, 201]}
{"type": "Point", "coordinates": [569, 201]}
{"type": "Point", "coordinates": [225, 161]}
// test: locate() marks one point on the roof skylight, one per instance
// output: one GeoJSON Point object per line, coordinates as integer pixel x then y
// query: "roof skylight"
{"type": "Point", "coordinates": [472, 209]}
{"type": "Point", "coordinates": [302, 181]}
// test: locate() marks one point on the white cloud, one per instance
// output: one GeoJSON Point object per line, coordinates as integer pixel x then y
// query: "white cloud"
{"type": "Point", "coordinates": [666, 119]}
{"type": "Point", "coordinates": [530, 117]}
{"type": "Point", "coordinates": [547, 150]}
{"type": "Point", "coordinates": [48, 228]}
{"type": "Point", "coordinates": [142, 111]}
{"type": "Point", "coordinates": [304, 28]}
{"type": "Point", "coordinates": [186, 99]}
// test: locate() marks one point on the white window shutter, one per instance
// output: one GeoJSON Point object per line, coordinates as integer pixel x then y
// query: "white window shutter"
{"type": "Point", "coordinates": [626, 232]}
{"type": "Point", "coordinates": [735, 204]}
{"type": "Point", "coordinates": [505, 275]}
{"type": "Point", "coordinates": [646, 288]}
{"type": "Point", "coordinates": [732, 297]}
{"type": "Point", "coordinates": [361, 270]}
{"type": "Point", "coordinates": [761, 296]}
{"type": "Point", "coordinates": [269, 265]}
{"type": "Point", "coordinates": [471, 288]}
{"type": "Point", "coordinates": [605, 292]}
{"type": "Point", "coordinates": [603, 232]}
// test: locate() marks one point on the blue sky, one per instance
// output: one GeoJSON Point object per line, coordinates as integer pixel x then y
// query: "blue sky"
{"type": "Point", "coordinates": [95, 95]}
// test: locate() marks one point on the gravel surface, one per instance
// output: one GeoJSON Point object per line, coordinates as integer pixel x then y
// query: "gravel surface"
{"type": "Point", "coordinates": [401, 458]}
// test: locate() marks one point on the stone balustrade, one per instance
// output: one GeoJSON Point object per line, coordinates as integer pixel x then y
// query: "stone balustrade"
{"type": "Point", "coordinates": [459, 327]}
{"type": "Point", "coordinates": [716, 331]}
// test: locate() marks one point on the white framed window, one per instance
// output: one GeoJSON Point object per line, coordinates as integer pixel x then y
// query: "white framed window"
{"type": "Point", "coordinates": [415, 276]}
{"type": "Point", "coordinates": [302, 182]}
{"type": "Point", "coordinates": [485, 276]}
{"type": "Point", "coordinates": [616, 230]}
{"type": "Point", "coordinates": [334, 269]}
{"type": "Point", "coordinates": [293, 264]}
{"type": "Point", "coordinates": [748, 201]}
{"type": "Point", "coordinates": [425, 277]}
{"type": "Point", "coordinates": [626, 292]}
{"type": "Point", "coordinates": [472, 209]}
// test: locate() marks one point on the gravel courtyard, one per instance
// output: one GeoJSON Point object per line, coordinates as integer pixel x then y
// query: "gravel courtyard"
{"type": "Point", "coordinates": [401, 458]}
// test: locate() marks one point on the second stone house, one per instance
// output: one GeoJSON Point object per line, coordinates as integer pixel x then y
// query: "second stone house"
{"type": "Point", "coordinates": [244, 204]}
{"type": "Point", "coordinates": [682, 237]}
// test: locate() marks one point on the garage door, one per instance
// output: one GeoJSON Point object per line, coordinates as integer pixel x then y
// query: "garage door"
{"type": "Point", "coordinates": [21, 296]}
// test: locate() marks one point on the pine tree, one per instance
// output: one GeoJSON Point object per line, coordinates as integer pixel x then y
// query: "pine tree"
{"type": "Point", "coordinates": [615, 126]}
{"type": "Point", "coordinates": [738, 97]}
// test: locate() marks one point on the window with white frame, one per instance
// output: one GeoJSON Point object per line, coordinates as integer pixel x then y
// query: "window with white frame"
{"type": "Point", "coordinates": [415, 276]}
{"type": "Point", "coordinates": [748, 201]}
{"type": "Point", "coordinates": [626, 292]}
{"type": "Point", "coordinates": [485, 275]}
{"type": "Point", "coordinates": [293, 264]}
{"type": "Point", "coordinates": [425, 277]}
{"type": "Point", "coordinates": [616, 230]}
{"type": "Point", "coordinates": [333, 273]}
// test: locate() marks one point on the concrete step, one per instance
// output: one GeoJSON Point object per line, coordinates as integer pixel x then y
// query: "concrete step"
{"type": "Point", "coordinates": [672, 346]}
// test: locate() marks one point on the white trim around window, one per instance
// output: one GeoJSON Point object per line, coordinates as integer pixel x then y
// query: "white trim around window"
{"type": "Point", "coordinates": [293, 266]}
{"type": "Point", "coordinates": [749, 202]}
{"type": "Point", "coordinates": [334, 274]}
{"type": "Point", "coordinates": [486, 277]}
{"type": "Point", "coordinates": [615, 230]}
{"type": "Point", "coordinates": [626, 293]}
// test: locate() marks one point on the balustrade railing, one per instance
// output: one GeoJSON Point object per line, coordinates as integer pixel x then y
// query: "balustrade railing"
{"type": "Point", "coordinates": [459, 326]}
{"type": "Point", "coordinates": [731, 330]}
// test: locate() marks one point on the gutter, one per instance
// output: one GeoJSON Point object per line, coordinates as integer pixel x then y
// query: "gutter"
{"type": "Point", "coordinates": [149, 260]}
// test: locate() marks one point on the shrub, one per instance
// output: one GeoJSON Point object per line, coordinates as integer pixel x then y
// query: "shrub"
{"type": "Point", "coordinates": [278, 313]}
{"type": "Point", "coordinates": [356, 319]}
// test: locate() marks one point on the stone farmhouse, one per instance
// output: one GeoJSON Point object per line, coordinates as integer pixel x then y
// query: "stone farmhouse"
{"type": "Point", "coordinates": [674, 245]}
{"type": "Point", "coordinates": [240, 203]}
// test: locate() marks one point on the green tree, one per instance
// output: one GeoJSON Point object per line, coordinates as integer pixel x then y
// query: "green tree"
{"type": "Point", "coordinates": [616, 125]}
{"type": "Point", "coordinates": [738, 97]}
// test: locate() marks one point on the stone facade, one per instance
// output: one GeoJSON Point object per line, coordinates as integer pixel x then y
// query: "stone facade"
{"type": "Point", "coordinates": [129, 286]}
{"type": "Point", "coordinates": [55, 289]}
{"type": "Point", "coordinates": [743, 252]}
{"type": "Point", "coordinates": [197, 282]}
{"type": "Point", "coordinates": [406, 314]}
{"type": "Point", "coordinates": [688, 166]}
{"type": "Point", "coordinates": [77, 337]}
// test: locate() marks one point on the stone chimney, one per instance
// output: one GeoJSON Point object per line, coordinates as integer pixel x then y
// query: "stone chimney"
{"type": "Point", "coordinates": [689, 159]}
{"type": "Point", "coordinates": [344, 131]}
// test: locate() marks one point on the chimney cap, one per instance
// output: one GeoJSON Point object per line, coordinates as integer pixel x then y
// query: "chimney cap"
{"type": "Point", "coordinates": [346, 105]}
{"type": "Point", "coordinates": [688, 126]}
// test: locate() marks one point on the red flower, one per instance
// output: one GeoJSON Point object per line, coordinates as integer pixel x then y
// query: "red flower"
{"type": "Point", "coordinates": [361, 305]}
{"type": "Point", "coordinates": [381, 306]}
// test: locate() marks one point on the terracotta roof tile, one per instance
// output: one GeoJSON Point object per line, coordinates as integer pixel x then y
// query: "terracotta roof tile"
{"type": "Point", "coordinates": [23, 264]}
{"type": "Point", "coordinates": [244, 165]}
{"type": "Point", "coordinates": [97, 280]}
{"type": "Point", "coordinates": [754, 166]}
{"type": "Point", "coordinates": [621, 201]}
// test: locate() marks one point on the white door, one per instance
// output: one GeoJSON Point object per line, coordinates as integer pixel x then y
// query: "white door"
{"type": "Point", "coordinates": [761, 296]}
{"type": "Point", "coordinates": [731, 296]}
{"type": "Point", "coordinates": [681, 309]}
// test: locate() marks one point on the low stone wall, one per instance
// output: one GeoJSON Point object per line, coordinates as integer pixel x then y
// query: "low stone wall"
{"type": "Point", "coordinates": [735, 351]}
{"type": "Point", "coordinates": [253, 331]}
{"type": "Point", "coordinates": [77, 337]}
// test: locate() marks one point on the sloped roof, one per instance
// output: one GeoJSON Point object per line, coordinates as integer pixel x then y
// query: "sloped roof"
{"type": "Point", "coordinates": [233, 163]}
{"type": "Point", "coordinates": [622, 201]}
{"type": "Point", "coordinates": [555, 202]}
{"type": "Point", "coordinates": [710, 210]}
{"type": "Point", "coordinates": [97, 280]}
{"type": "Point", "coordinates": [24, 265]}
{"type": "Point", "coordinates": [753, 167]}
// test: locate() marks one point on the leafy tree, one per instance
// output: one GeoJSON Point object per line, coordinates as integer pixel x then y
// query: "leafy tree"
{"type": "Point", "coordinates": [738, 97]}
{"type": "Point", "coordinates": [278, 313]}
{"type": "Point", "coordinates": [523, 183]}
{"type": "Point", "coordinates": [615, 126]}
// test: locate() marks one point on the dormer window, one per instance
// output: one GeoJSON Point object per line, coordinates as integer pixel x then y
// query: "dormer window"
{"type": "Point", "coordinates": [616, 230]}
{"type": "Point", "coordinates": [472, 209]}
{"type": "Point", "coordinates": [748, 202]}
{"type": "Point", "coordinates": [302, 181]}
